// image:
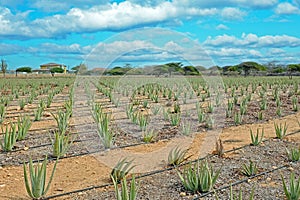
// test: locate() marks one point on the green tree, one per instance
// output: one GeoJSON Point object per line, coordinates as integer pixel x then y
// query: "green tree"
{"type": "Point", "coordinates": [249, 66]}
{"type": "Point", "coordinates": [160, 70]}
{"type": "Point", "coordinates": [56, 70]}
{"type": "Point", "coordinates": [23, 69]}
{"type": "Point", "coordinates": [293, 68]}
{"type": "Point", "coordinates": [174, 67]}
{"type": "Point", "coordinates": [3, 67]}
{"type": "Point", "coordinates": [190, 70]}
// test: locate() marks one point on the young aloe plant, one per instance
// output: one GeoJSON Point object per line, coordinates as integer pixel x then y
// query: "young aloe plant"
{"type": "Point", "coordinates": [293, 154]}
{"type": "Point", "coordinates": [175, 119]}
{"type": "Point", "coordinates": [61, 144]}
{"type": "Point", "coordinates": [249, 170]}
{"type": "Point", "coordinates": [149, 136]}
{"type": "Point", "coordinates": [24, 125]}
{"type": "Point", "coordinates": [126, 194]}
{"type": "Point", "coordinates": [122, 168]}
{"type": "Point", "coordinates": [62, 120]}
{"type": "Point", "coordinates": [280, 130]}
{"type": "Point", "coordinates": [36, 183]}
{"type": "Point", "coordinates": [10, 138]}
{"type": "Point", "coordinates": [292, 193]}
{"type": "Point", "coordinates": [177, 156]}
{"type": "Point", "coordinates": [2, 113]}
{"type": "Point", "coordinates": [256, 139]}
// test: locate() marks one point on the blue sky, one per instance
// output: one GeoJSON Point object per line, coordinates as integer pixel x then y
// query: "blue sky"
{"type": "Point", "coordinates": [108, 33]}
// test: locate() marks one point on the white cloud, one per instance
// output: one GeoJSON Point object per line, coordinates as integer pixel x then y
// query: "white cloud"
{"type": "Point", "coordinates": [222, 27]}
{"type": "Point", "coordinates": [255, 4]}
{"type": "Point", "coordinates": [109, 17]}
{"type": "Point", "coordinates": [231, 13]}
{"type": "Point", "coordinates": [253, 40]}
{"type": "Point", "coordinates": [286, 9]}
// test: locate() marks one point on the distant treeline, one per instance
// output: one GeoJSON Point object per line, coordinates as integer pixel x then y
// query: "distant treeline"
{"type": "Point", "coordinates": [244, 68]}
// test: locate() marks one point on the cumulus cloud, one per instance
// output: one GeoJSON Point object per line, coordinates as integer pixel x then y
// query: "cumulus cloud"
{"type": "Point", "coordinates": [109, 17]}
{"type": "Point", "coordinates": [231, 13]}
{"type": "Point", "coordinates": [222, 27]}
{"type": "Point", "coordinates": [286, 9]}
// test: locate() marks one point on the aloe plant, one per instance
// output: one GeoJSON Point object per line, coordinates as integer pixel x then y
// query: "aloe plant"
{"type": "Point", "coordinates": [280, 130]}
{"type": "Point", "coordinates": [186, 128]}
{"type": "Point", "coordinates": [148, 136]}
{"type": "Point", "coordinates": [293, 154]}
{"type": "Point", "coordinates": [177, 156]}
{"type": "Point", "coordinates": [2, 113]}
{"type": "Point", "coordinates": [293, 192]}
{"type": "Point", "coordinates": [250, 169]}
{"type": "Point", "coordinates": [256, 139]}
{"type": "Point", "coordinates": [199, 177]}
{"type": "Point", "coordinates": [24, 125]}
{"type": "Point", "coordinates": [175, 119]}
{"type": "Point", "coordinates": [36, 182]}
{"type": "Point", "coordinates": [22, 104]}
{"type": "Point", "coordinates": [122, 168]}
{"type": "Point", "coordinates": [143, 122]}
{"type": "Point", "coordinates": [62, 121]}
{"type": "Point", "coordinates": [126, 194]}
{"type": "Point", "coordinates": [10, 137]}
{"type": "Point", "coordinates": [61, 144]}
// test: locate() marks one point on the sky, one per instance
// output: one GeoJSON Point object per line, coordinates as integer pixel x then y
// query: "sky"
{"type": "Point", "coordinates": [142, 32]}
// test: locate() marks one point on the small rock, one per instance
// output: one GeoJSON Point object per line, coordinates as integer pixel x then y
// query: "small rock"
{"type": "Point", "coordinates": [59, 189]}
{"type": "Point", "coordinates": [2, 185]}
{"type": "Point", "coordinates": [268, 179]}
{"type": "Point", "coordinates": [274, 167]}
{"type": "Point", "coordinates": [291, 169]}
{"type": "Point", "coordinates": [80, 193]}
{"type": "Point", "coordinates": [182, 194]}
{"type": "Point", "coordinates": [26, 148]}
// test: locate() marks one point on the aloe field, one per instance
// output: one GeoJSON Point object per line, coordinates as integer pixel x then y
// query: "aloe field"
{"type": "Point", "coordinates": [144, 137]}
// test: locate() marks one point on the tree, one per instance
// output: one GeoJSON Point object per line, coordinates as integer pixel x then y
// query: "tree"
{"type": "Point", "coordinates": [160, 70]}
{"type": "Point", "coordinates": [80, 69]}
{"type": "Point", "coordinates": [293, 68]}
{"type": "Point", "coordinates": [174, 67]}
{"type": "Point", "coordinates": [249, 66]}
{"type": "Point", "coordinates": [56, 70]}
{"type": "Point", "coordinates": [23, 69]}
{"type": "Point", "coordinates": [3, 67]}
{"type": "Point", "coordinates": [190, 70]}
